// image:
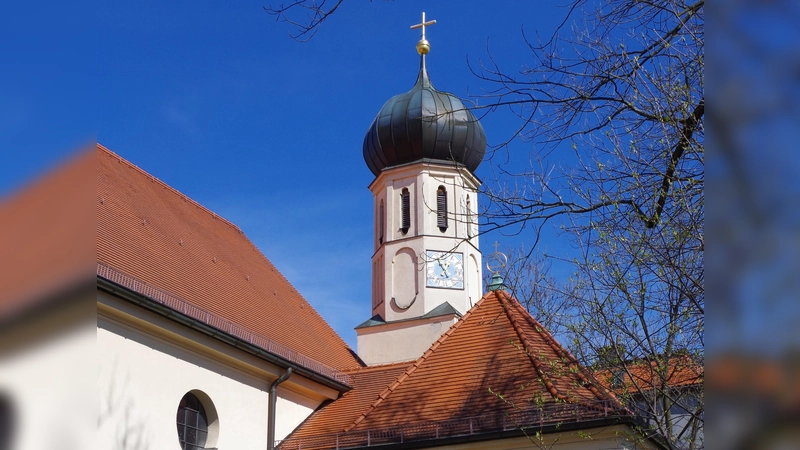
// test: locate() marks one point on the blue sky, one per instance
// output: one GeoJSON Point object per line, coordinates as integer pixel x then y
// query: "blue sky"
{"type": "Point", "coordinates": [215, 99]}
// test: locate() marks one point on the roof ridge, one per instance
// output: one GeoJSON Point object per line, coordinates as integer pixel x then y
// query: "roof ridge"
{"type": "Point", "coordinates": [508, 304]}
{"type": "Point", "coordinates": [360, 369]}
{"type": "Point", "coordinates": [168, 187]}
{"type": "Point", "coordinates": [586, 381]}
{"type": "Point", "coordinates": [413, 367]}
{"type": "Point", "coordinates": [583, 374]}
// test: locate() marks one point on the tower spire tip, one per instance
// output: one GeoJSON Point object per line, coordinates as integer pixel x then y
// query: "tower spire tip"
{"type": "Point", "coordinates": [423, 46]}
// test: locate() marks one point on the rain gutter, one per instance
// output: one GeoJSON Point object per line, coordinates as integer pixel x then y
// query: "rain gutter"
{"type": "Point", "coordinates": [156, 307]}
{"type": "Point", "coordinates": [273, 400]}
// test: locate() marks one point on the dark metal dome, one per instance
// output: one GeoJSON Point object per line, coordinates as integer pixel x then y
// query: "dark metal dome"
{"type": "Point", "coordinates": [424, 123]}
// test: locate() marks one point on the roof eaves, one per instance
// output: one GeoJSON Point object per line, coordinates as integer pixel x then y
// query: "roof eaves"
{"type": "Point", "coordinates": [371, 322]}
{"type": "Point", "coordinates": [442, 310]}
{"type": "Point", "coordinates": [108, 279]}
{"type": "Point", "coordinates": [406, 441]}
{"type": "Point", "coordinates": [445, 309]}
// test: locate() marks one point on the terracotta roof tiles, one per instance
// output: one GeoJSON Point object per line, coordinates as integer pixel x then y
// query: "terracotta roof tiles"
{"type": "Point", "coordinates": [46, 237]}
{"type": "Point", "coordinates": [368, 383]}
{"type": "Point", "coordinates": [642, 376]}
{"type": "Point", "coordinates": [496, 360]}
{"type": "Point", "coordinates": [153, 233]}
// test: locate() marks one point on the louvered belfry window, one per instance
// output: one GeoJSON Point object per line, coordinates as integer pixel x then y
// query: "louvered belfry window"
{"type": "Point", "coordinates": [405, 205]}
{"type": "Point", "coordinates": [441, 208]}
{"type": "Point", "coordinates": [382, 224]}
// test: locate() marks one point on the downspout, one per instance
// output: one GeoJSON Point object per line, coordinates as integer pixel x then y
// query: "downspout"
{"type": "Point", "coordinates": [273, 399]}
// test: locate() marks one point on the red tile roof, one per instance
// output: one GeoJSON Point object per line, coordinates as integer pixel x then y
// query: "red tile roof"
{"type": "Point", "coordinates": [367, 383]}
{"type": "Point", "coordinates": [155, 234]}
{"type": "Point", "coordinates": [645, 376]}
{"type": "Point", "coordinates": [497, 359]}
{"type": "Point", "coordinates": [46, 237]}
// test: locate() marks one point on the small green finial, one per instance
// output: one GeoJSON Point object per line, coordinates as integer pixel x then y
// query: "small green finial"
{"type": "Point", "coordinates": [496, 262]}
{"type": "Point", "coordinates": [497, 283]}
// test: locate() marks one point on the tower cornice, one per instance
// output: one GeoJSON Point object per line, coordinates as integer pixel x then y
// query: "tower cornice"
{"type": "Point", "coordinates": [431, 165]}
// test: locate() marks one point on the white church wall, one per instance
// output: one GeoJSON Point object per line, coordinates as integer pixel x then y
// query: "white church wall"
{"type": "Point", "coordinates": [47, 380]}
{"type": "Point", "coordinates": [291, 410]}
{"type": "Point", "coordinates": [147, 363]}
{"type": "Point", "coordinates": [143, 379]}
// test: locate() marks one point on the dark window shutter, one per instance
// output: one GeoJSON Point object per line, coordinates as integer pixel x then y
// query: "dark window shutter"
{"type": "Point", "coordinates": [441, 209]}
{"type": "Point", "coordinates": [382, 224]}
{"type": "Point", "coordinates": [406, 213]}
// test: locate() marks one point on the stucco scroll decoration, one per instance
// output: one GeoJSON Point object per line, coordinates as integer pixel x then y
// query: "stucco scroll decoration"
{"type": "Point", "coordinates": [405, 307]}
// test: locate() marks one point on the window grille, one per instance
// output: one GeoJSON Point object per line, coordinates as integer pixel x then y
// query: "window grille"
{"type": "Point", "coordinates": [192, 423]}
{"type": "Point", "coordinates": [406, 211]}
{"type": "Point", "coordinates": [441, 209]}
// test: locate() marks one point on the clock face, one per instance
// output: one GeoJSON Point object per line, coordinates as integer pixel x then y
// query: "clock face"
{"type": "Point", "coordinates": [445, 269]}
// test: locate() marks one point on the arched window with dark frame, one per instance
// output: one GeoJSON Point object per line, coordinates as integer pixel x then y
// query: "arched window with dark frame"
{"type": "Point", "coordinates": [192, 423]}
{"type": "Point", "coordinates": [381, 223]}
{"type": "Point", "coordinates": [441, 209]}
{"type": "Point", "coordinates": [405, 213]}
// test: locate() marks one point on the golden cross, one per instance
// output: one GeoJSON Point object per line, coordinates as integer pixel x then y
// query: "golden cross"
{"type": "Point", "coordinates": [423, 25]}
{"type": "Point", "coordinates": [496, 244]}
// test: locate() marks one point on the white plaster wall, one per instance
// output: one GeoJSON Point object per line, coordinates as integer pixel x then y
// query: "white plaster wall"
{"type": "Point", "coordinates": [406, 284]}
{"type": "Point", "coordinates": [405, 341]}
{"type": "Point", "coordinates": [49, 385]}
{"type": "Point", "coordinates": [142, 379]}
{"type": "Point", "coordinates": [291, 410]}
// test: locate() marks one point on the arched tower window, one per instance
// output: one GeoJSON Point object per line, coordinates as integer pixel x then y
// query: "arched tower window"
{"type": "Point", "coordinates": [405, 213]}
{"type": "Point", "coordinates": [381, 224]}
{"type": "Point", "coordinates": [469, 218]}
{"type": "Point", "coordinates": [441, 209]}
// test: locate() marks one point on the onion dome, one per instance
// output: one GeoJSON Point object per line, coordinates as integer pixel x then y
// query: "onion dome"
{"type": "Point", "coordinates": [424, 123]}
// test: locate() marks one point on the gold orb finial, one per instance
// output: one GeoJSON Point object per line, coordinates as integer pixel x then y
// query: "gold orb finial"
{"type": "Point", "coordinates": [423, 46]}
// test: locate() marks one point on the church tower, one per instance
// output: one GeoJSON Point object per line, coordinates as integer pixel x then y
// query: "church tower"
{"type": "Point", "coordinates": [423, 148]}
